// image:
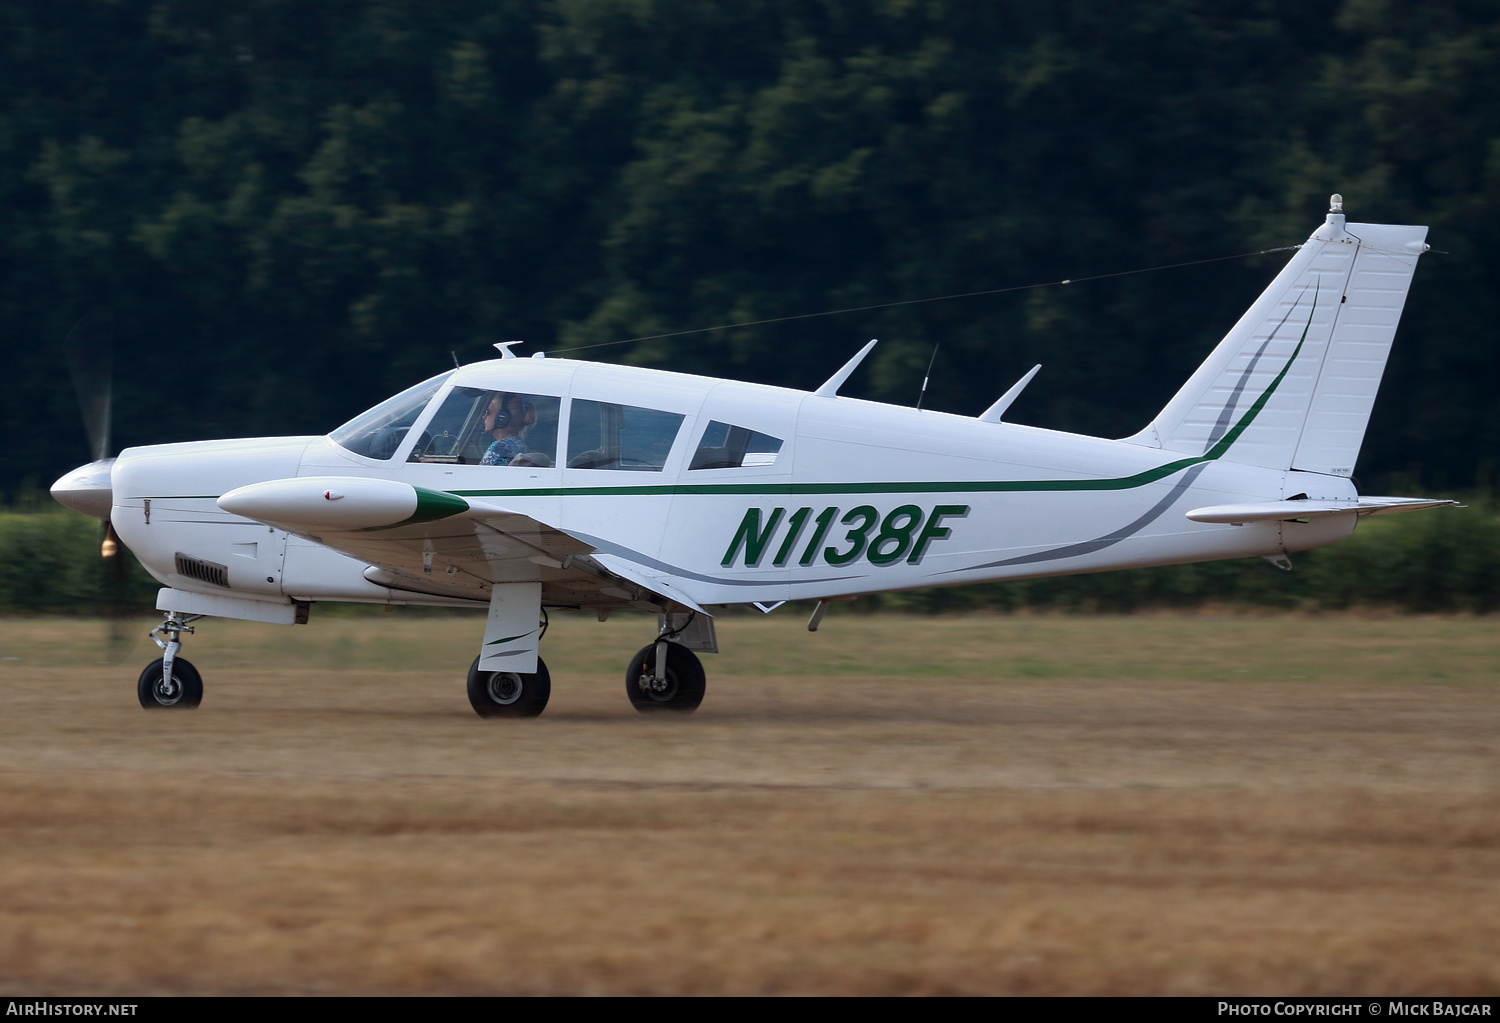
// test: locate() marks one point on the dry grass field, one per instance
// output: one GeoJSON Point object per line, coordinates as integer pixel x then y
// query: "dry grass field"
{"type": "Point", "coordinates": [1194, 805]}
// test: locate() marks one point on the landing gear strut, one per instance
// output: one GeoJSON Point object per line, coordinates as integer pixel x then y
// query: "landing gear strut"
{"type": "Point", "coordinates": [678, 687]}
{"type": "Point", "coordinates": [170, 681]}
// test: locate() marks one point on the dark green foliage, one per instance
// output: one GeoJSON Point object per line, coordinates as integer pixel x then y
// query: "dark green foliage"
{"type": "Point", "coordinates": [50, 564]}
{"type": "Point", "coordinates": [292, 210]}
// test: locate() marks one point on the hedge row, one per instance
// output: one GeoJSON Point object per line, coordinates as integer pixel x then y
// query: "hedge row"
{"type": "Point", "coordinates": [50, 564]}
{"type": "Point", "coordinates": [1443, 560]}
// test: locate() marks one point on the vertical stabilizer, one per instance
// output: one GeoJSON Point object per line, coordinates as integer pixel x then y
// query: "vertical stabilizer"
{"type": "Point", "coordinates": [1292, 385]}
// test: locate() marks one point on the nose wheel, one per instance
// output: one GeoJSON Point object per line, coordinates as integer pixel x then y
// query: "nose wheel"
{"type": "Point", "coordinates": [170, 681]}
{"type": "Point", "coordinates": [182, 688]}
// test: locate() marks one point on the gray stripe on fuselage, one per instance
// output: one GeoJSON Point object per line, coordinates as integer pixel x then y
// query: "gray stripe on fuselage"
{"type": "Point", "coordinates": [605, 547]}
{"type": "Point", "coordinates": [1076, 550]}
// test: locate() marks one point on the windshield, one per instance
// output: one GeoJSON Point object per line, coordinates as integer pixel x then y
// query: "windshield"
{"type": "Point", "coordinates": [380, 431]}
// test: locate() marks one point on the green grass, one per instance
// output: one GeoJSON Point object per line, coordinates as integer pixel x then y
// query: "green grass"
{"type": "Point", "coordinates": [975, 803]}
{"type": "Point", "coordinates": [976, 648]}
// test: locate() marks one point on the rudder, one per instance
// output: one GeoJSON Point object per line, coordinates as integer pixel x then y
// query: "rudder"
{"type": "Point", "coordinates": [1293, 383]}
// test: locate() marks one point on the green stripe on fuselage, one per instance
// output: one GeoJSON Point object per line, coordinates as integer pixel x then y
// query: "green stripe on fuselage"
{"type": "Point", "coordinates": [1139, 479]}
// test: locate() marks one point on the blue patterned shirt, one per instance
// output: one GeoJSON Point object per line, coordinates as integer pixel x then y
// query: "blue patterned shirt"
{"type": "Point", "coordinates": [502, 451]}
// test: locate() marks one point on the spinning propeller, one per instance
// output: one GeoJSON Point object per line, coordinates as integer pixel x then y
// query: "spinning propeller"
{"type": "Point", "coordinates": [89, 349]}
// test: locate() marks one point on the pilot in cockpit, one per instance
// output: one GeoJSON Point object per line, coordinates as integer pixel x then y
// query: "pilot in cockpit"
{"type": "Point", "coordinates": [506, 417]}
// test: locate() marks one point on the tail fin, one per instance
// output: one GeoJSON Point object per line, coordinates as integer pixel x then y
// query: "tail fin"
{"type": "Point", "coordinates": [1292, 385]}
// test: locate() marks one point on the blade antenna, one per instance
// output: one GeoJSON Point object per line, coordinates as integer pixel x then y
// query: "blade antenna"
{"type": "Point", "coordinates": [830, 388]}
{"type": "Point", "coordinates": [927, 376]}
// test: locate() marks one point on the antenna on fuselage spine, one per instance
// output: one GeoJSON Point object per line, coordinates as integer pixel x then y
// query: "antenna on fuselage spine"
{"type": "Point", "coordinates": [927, 376]}
{"type": "Point", "coordinates": [995, 411]}
{"type": "Point", "coordinates": [830, 388]}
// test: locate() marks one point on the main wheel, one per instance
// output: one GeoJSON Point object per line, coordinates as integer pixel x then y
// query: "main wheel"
{"type": "Point", "coordinates": [184, 689]}
{"type": "Point", "coordinates": [509, 694]}
{"type": "Point", "coordinates": [684, 686]}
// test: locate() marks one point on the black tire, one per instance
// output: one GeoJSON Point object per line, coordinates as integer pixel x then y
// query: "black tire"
{"type": "Point", "coordinates": [509, 694]}
{"type": "Point", "coordinates": [184, 693]}
{"type": "Point", "coordinates": [685, 687]}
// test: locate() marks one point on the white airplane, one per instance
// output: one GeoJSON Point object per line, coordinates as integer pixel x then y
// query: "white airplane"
{"type": "Point", "coordinates": [530, 484]}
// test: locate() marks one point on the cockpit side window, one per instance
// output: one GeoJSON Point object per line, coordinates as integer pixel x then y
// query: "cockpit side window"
{"type": "Point", "coordinates": [475, 426]}
{"type": "Point", "coordinates": [606, 436]}
{"type": "Point", "coordinates": [733, 447]}
{"type": "Point", "coordinates": [380, 431]}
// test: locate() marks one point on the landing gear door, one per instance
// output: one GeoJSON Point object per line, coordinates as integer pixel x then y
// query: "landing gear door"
{"type": "Point", "coordinates": [512, 632]}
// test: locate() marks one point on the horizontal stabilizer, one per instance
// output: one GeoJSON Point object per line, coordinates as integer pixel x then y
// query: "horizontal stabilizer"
{"type": "Point", "coordinates": [1279, 511]}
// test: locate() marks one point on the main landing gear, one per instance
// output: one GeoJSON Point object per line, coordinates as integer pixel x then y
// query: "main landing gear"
{"type": "Point", "coordinates": [663, 676]}
{"type": "Point", "coordinates": [666, 676]}
{"type": "Point", "coordinates": [679, 688]}
{"type": "Point", "coordinates": [509, 694]}
{"type": "Point", "coordinates": [170, 681]}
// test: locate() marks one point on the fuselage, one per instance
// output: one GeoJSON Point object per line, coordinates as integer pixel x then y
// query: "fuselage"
{"type": "Point", "coordinates": [852, 497]}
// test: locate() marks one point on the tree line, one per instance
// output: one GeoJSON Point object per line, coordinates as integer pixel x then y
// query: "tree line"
{"type": "Point", "coordinates": [289, 211]}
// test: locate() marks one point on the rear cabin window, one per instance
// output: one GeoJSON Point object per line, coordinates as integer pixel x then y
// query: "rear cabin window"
{"type": "Point", "coordinates": [734, 447]}
{"type": "Point", "coordinates": [606, 436]}
{"type": "Point", "coordinates": [488, 427]}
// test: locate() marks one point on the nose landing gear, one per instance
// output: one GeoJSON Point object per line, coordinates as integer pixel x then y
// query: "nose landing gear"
{"type": "Point", "coordinates": [170, 681]}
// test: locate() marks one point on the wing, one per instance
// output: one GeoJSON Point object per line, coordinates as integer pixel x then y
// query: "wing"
{"type": "Point", "coordinates": [429, 541]}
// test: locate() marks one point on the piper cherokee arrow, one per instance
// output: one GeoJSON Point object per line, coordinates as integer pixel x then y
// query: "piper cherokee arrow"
{"type": "Point", "coordinates": [524, 485]}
